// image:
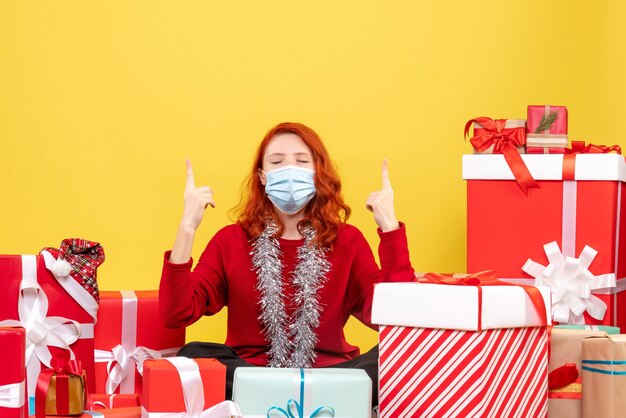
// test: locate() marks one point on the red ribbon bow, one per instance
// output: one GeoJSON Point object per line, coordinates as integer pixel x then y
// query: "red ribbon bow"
{"type": "Point", "coordinates": [505, 141]}
{"type": "Point", "coordinates": [579, 147]}
{"type": "Point", "coordinates": [62, 368]}
{"type": "Point", "coordinates": [488, 278]}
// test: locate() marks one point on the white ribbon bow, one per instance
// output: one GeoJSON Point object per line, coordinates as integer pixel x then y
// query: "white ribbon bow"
{"type": "Point", "coordinates": [123, 357]}
{"type": "Point", "coordinates": [121, 364]}
{"type": "Point", "coordinates": [41, 331]}
{"type": "Point", "coordinates": [571, 284]}
{"type": "Point", "coordinates": [193, 394]}
{"type": "Point", "coordinates": [12, 395]}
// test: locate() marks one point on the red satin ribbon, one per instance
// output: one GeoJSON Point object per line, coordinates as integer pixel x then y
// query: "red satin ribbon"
{"type": "Point", "coordinates": [488, 278]}
{"type": "Point", "coordinates": [62, 368]}
{"type": "Point", "coordinates": [505, 141]}
{"type": "Point", "coordinates": [569, 167]}
{"type": "Point", "coordinates": [562, 376]}
{"type": "Point", "coordinates": [579, 147]}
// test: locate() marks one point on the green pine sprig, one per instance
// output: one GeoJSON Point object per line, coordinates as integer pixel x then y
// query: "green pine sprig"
{"type": "Point", "coordinates": [547, 121]}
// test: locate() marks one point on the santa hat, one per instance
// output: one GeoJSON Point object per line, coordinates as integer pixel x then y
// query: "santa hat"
{"type": "Point", "coordinates": [79, 259]}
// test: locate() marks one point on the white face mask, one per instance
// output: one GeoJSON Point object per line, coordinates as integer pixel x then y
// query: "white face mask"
{"type": "Point", "coordinates": [290, 188]}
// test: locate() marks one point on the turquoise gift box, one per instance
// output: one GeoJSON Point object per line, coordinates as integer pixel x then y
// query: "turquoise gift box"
{"type": "Point", "coordinates": [609, 330]}
{"type": "Point", "coordinates": [302, 393]}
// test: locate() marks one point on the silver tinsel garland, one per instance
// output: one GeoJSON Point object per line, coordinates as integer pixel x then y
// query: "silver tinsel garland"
{"type": "Point", "coordinates": [292, 340]}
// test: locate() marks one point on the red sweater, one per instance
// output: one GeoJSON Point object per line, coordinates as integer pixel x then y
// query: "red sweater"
{"type": "Point", "coordinates": [224, 277]}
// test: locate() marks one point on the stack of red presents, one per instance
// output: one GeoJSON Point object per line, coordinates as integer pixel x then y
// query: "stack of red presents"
{"type": "Point", "coordinates": [531, 330]}
{"type": "Point", "coordinates": [68, 349]}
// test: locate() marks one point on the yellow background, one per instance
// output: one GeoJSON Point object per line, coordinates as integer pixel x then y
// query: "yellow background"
{"type": "Point", "coordinates": [101, 102]}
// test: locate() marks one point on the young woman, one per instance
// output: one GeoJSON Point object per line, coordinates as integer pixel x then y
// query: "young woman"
{"type": "Point", "coordinates": [290, 270]}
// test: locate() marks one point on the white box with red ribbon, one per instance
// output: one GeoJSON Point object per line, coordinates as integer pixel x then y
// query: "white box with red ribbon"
{"type": "Point", "coordinates": [467, 346]}
{"type": "Point", "coordinates": [567, 233]}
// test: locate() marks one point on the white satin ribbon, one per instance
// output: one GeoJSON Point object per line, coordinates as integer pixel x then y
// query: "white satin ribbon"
{"type": "Point", "coordinates": [571, 284]}
{"type": "Point", "coordinates": [102, 404]}
{"type": "Point", "coordinates": [124, 358]}
{"type": "Point", "coordinates": [193, 395]}
{"type": "Point", "coordinates": [12, 395]}
{"type": "Point", "coordinates": [568, 222]}
{"type": "Point", "coordinates": [122, 364]}
{"type": "Point", "coordinates": [42, 331]}
{"type": "Point", "coordinates": [72, 287]}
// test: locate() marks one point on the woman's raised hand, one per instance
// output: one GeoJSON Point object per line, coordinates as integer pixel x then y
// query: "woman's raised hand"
{"type": "Point", "coordinates": [381, 203]}
{"type": "Point", "coordinates": [196, 200]}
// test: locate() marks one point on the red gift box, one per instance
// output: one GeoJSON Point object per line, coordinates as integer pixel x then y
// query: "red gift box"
{"type": "Point", "coordinates": [547, 130]}
{"type": "Point", "coordinates": [57, 313]}
{"type": "Point", "coordinates": [13, 402]}
{"type": "Point", "coordinates": [98, 401]}
{"type": "Point", "coordinates": [570, 227]}
{"type": "Point", "coordinates": [461, 350]}
{"type": "Point", "coordinates": [545, 150]}
{"type": "Point", "coordinates": [127, 412]}
{"type": "Point", "coordinates": [163, 389]}
{"type": "Point", "coordinates": [554, 118]}
{"type": "Point", "coordinates": [128, 332]}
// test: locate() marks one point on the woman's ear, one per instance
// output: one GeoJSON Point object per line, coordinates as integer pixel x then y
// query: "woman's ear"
{"type": "Point", "coordinates": [262, 177]}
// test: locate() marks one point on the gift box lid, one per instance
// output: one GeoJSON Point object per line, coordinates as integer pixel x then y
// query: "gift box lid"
{"type": "Point", "coordinates": [163, 390]}
{"type": "Point", "coordinates": [545, 167]}
{"type": "Point", "coordinates": [566, 345]}
{"type": "Point", "coordinates": [128, 412]}
{"type": "Point", "coordinates": [602, 328]}
{"type": "Point", "coordinates": [12, 351]}
{"type": "Point", "coordinates": [257, 390]}
{"type": "Point", "coordinates": [425, 305]}
{"type": "Point", "coordinates": [612, 338]}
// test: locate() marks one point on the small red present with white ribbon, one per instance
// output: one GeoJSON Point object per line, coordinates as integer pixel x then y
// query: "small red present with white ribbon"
{"type": "Point", "coordinates": [12, 373]}
{"type": "Point", "coordinates": [129, 332]}
{"type": "Point", "coordinates": [98, 401]}
{"type": "Point", "coordinates": [466, 346]}
{"type": "Point", "coordinates": [578, 205]}
{"type": "Point", "coordinates": [179, 387]}
{"type": "Point", "coordinates": [56, 310]}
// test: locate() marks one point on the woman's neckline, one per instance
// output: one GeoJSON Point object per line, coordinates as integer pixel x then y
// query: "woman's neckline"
{"type": "Point", "coordinates": [291, 241]}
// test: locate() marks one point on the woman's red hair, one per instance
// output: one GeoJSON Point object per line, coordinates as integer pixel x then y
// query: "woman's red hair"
{"type": "Point", "coordinates": [325, 212]}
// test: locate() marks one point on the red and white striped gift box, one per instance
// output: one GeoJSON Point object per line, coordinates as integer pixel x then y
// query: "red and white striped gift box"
{"type": "Point", "coordinates": [436, 373]}
{"type": "Point", "coordinates": [483, 369]}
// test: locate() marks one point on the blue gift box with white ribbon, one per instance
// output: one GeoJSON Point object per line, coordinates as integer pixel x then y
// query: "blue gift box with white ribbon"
{"type": "Point", "coordinates": [302, 393]}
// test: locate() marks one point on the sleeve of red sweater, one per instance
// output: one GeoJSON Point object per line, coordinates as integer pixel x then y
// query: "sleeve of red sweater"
{"type": "Point", "coordinates": [185, 296]}
{"type": "Point", "coordinates": [395, 266]}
